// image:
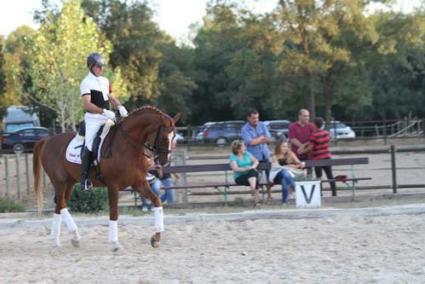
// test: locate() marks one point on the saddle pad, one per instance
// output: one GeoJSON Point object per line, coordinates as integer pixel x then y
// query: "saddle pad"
{"type": "Point", "coordinates": [73, 151]}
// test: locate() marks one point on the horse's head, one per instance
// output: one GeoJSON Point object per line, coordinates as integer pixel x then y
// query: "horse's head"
{"type": "Point", "coordinates": [156, 130]}
{"type": "Point", "coordinates": [164, 136]}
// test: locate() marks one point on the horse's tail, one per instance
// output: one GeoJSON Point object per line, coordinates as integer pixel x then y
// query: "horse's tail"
{"type": "Point", "coordinates": [36, 168]}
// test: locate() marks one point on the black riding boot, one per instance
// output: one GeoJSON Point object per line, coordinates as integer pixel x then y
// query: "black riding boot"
{"type": "Point", "coordinates": [86, 160]}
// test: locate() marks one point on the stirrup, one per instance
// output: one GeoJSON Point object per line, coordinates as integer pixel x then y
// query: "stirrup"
{"type": "Point", "coordinates": [86, 185]}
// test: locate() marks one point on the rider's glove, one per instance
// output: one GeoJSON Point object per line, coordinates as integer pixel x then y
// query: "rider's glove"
{"type": "Point", "coordinates": [109, 114]}
{"type": "Point", "coordinates": [123, 111]}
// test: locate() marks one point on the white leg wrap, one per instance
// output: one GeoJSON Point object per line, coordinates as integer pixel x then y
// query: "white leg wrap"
{"type": "Point", "coordinates": [159, 219]}
{"type": "Point", "coordinates": [56, 228]}
{"type": "Point", "coordinates": [113, 231]}
{"type": "Point", "coordinates": [68, 220]}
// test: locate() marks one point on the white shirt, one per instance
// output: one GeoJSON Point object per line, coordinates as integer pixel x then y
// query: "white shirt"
{"type": "Point", "coordinates": [98, 88]}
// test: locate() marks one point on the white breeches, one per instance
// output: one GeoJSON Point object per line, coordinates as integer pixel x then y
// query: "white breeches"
{"type": "Point", "coordinates": [93, 125]}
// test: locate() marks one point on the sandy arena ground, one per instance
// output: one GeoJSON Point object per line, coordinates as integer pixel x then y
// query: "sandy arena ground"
{"type": "Point", "coordinates": [269, 245]}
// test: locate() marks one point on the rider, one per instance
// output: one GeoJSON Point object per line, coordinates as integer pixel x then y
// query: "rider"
{"type": "Point", "coordinates": [96, 93]}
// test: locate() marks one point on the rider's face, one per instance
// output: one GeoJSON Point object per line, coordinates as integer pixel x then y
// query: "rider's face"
{"type": "Point", "coordinates": [97, 70]}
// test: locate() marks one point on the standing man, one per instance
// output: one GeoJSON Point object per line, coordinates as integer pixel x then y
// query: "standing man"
{"type": "Point", "coordinates": [256, 136]}
{"type": "Point", "coordinates": [299, 135]}
{"type": "Point", "coordinates": [96, 93]}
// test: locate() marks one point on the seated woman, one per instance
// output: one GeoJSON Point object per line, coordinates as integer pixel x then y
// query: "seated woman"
{"type": "Point", "coordinates": [283, 160]}
{"type": "Point", "coordinates": [244, 167]}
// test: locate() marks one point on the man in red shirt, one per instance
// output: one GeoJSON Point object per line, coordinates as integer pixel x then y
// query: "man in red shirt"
{"type": "Point", "coordinates": [318, 146]}
{"type": "Point", "coordinates": [299, 134]}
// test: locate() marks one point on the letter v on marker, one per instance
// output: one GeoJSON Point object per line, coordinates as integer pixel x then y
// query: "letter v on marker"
{"type": "Point", "coordinates": [308, 199]}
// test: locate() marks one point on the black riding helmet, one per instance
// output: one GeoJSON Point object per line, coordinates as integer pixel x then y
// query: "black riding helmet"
{"type": "Point", "coordinates": [95, 59]}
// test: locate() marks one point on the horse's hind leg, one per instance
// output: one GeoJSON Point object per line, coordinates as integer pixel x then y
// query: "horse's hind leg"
{"type": "Point", "coordinates": [67, 217]}
{"type": "Point", "coordinates": [158, 212]}
{"type": "Point", "coordinates": [62, 214]}
{"type": "Point", "coordinates": [57, 217]}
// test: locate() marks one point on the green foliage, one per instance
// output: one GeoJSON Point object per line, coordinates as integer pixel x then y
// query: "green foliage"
{"type": "Point", "coordinates": [334, 56]}
{"type": "Point", "coordinates": [18, 82]}
{"type": "Point", "coordinates": [58, 61]}
{"type": "Point", "coordinates": [91, 201]}
{"type": "Point", "coordinates": [7, 205]}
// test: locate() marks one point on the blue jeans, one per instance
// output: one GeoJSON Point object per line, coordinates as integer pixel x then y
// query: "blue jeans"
{"type": "Point", "coordinates": [156, 186]}
{"type": "Point", "coordinates": [169, 194]}
{"type": "Point", "coordinates": [287, 182]}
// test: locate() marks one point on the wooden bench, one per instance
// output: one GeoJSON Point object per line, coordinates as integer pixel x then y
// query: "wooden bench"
{"type": "Point", "coordinates": [223, 187]}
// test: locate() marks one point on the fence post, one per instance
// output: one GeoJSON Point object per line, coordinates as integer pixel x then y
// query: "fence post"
{"type": "Point", "coordinates": [6, 164]}
{"type": "Point", "coordinates": [27, 173]}
{"type": "Point", "coordinates": [385, 131]}
{"type": "Point", "coordinates": [18, 174]}
{"type": "Point", "coordinates": [393, 168]}
{"type": "Point", "coordinates": [179, 158]}
{"type": "Point", "coordinates": [185, 193]}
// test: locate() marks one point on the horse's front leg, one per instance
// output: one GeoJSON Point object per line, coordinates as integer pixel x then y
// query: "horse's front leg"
{"type": "Point", "coordinates": [113, 194]}
{"type": "Point", "coordinates": [145, 189]}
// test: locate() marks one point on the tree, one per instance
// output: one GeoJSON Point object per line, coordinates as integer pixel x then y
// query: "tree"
{"type": "Point", "coordinates": [136, 41]}
{"type": "Point", "coordinates": [152, 64]}
{"type": "Point", "coordinates": [3, 105]}
{"type": "Point", "coordinates": [216, 43]}
{"type": "Point", "coordinates": [397, 67]}
{"type": "Point", "coordinates": [58, 61]}
{"type": "Point", "coordinates": [320, 41]}
{"type": "Point", "coordinates": [16, 64]}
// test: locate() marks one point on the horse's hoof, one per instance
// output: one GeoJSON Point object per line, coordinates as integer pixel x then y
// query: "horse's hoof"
{"type": "Point", "coordinates": [154, 243]}
{"type": "Point", "coordinates": [75, 243]}
{"type": "Point", "coordinates": [57, 243]}
{"type": "Point", "coordinates": [115, 246]}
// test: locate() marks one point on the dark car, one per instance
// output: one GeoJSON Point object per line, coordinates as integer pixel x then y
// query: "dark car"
{"type": "Point", "coordinates": [278, 128]}
{"type": "Point", "coordinates": [221, 132]}
{"type": "Point", "coordinates": [23, 139]}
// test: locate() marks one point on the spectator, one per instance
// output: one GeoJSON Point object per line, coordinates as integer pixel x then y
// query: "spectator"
{"type": "Point", "coordinates": [284, 166]}
{"type": "Point", "coordinates": [244, 167]}
{"type": "Point", "coordinates": [169, 195]}
{"type": "Point", "coordinates": [299, 134]}
{"type": "Point", "coordinates": [155, 185]}
{"type": "Point", "coordinates": [156, 178]}
{"type": "Point", "coordinates": [318, 145]}
{"type": "Point", "coordinates": [256, 136]}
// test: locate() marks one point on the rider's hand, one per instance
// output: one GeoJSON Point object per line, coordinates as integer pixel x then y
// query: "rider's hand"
{"type": "Point", "coordinates": [109, 114]}
{"type": "Point", "coordinates": [123, 111]}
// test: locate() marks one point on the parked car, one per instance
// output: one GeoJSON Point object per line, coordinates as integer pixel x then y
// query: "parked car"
{"type": "Point", "coordinates": [221, 132]}
{"type": "Point", "coordinates": [278, 128]}
{"type": "Point", "coordinates": [339, 130]}
{"type": "Point", "coordinates": [179, 138]}
{"type": "Point", "coordinates": [22, 139]}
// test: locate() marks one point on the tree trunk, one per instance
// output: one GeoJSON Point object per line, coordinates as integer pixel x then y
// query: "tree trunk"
{"type": "Point", "coordinates": [311, 97]}
{"type": "Point", "coordinates": [328, 94]}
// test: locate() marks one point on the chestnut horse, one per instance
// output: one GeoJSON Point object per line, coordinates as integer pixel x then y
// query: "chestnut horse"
{"type": "Point", "coordinates": [123, 163]}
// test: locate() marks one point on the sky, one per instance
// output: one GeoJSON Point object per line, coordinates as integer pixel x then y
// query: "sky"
{"type": "Point", "coordinates": [173, 16]}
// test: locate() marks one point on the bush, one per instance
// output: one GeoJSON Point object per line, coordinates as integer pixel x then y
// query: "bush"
{"type": "Point", "coordinates": [7, 205]}
{"type": "Point", "coordinates": [91, 201]}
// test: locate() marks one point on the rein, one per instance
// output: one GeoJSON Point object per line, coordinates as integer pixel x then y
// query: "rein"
{"type": "Point", "coordinates": [154, 149]}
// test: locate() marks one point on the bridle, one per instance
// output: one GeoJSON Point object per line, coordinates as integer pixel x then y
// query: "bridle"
{"type": "Point", "coordinates": [154, 148]}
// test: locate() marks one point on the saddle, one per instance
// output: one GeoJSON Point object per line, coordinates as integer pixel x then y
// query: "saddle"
{"type": "Point", "coordinates": [76, 146]}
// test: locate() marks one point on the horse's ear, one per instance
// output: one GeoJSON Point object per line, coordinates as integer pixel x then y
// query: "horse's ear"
{"type": "Point", "coordinates": [177, 117]}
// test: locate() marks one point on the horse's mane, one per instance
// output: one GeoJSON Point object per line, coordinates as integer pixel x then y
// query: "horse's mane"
{"type": "Point", "coordinates": [147, 108]}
